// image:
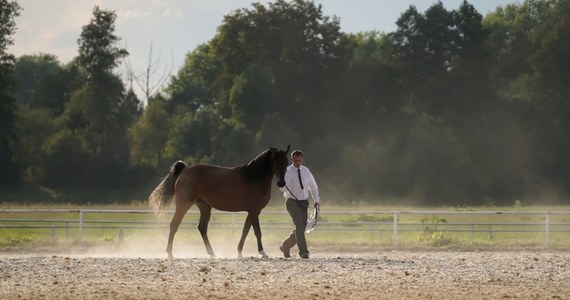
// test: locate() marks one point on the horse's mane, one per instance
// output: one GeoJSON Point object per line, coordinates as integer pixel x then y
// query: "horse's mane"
{"type": "Point", "coordinates": [258, 166]}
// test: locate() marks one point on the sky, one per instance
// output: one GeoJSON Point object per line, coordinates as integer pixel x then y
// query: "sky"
{"type": "Point", "coordinates": [176, 27]}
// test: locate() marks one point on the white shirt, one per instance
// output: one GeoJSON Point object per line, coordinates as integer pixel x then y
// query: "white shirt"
{"type": "Point", "coordinates": [292, 182]}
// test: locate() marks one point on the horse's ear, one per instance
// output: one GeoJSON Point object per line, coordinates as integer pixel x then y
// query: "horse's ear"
{"type": "Point", "coordinates": [287, 150]}
{"type": "Point", "coordinates": [272, 152]}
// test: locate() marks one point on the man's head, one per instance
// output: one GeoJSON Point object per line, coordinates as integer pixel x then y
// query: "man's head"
{"type": "Point", "coordinates": [297, 158]}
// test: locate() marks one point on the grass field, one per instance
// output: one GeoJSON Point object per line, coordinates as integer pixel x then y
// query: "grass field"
{"type": "Point", "coordinates": [366, 228]}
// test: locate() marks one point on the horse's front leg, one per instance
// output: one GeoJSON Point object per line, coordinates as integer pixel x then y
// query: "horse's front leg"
{"type": "Point", "coordinates": [245, 231]}
{"type": "Point", "coordinates": [257, 231]}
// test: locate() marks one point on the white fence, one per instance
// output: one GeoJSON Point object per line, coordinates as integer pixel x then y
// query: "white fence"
{"type": "Point", "coordinates": [394, 222]}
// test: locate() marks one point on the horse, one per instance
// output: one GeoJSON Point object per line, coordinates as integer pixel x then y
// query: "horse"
{"type": "Point", "coordinates": [241, 188]}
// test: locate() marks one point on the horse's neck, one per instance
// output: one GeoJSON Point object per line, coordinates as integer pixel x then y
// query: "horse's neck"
{"type": "Point", "coordinates": [258, 168]}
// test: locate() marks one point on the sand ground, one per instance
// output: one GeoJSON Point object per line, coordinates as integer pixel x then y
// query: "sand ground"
{"type": "Point", "coordinates": [392, 274]}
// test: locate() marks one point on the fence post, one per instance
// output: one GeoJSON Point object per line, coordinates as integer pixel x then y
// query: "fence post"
{"type": "Point", "coordinates": [120, 238]}
{"type": "Point", "coordinates": [80, 237]}
{"type": "Point", "coordinates": [395, 228]}
{"type": "Point", "coordinates": [233, 226]}
{"type": "Point", "coordinates": [547, 228]}
{"type": "Point", "coordinates": [66, 230]}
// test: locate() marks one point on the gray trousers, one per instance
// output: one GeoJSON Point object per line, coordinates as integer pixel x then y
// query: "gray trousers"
{"type": "Point", "coordinates": [298, 211]}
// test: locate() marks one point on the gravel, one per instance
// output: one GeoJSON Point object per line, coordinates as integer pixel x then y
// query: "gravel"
{"type": "Point", "coordinates": [393, 274]}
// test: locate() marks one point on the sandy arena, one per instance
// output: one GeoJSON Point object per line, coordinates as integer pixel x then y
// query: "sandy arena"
{"type": "Point", "coordinates": [390, 274]}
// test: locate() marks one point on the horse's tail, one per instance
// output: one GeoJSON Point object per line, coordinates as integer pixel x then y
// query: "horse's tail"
{"type": "Point", "coordinates": [161, 196]}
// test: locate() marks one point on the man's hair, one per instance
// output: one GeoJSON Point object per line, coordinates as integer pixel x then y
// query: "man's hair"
{"type": "Point", "coordinates": [297, 153]}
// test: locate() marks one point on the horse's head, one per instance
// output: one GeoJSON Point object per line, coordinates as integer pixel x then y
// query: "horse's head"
{"type": "Point", "coordinates": [280, 161]}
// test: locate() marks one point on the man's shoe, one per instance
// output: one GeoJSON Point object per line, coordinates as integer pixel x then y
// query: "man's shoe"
{"type": "Point", "coordinates": [285, 251]}
{"type": "Point", "coordinates": [305, 256]}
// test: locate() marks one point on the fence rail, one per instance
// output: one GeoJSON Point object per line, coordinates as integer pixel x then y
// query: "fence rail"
{"type": "Point", "coordinates": [391, 221]}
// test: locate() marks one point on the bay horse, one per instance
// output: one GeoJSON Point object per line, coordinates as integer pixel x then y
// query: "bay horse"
{"type": "Point", "coordinates": [241, 188]}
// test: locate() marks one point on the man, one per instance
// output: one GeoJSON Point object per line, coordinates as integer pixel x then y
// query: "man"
{"type": "Point", "coordinates": [299, 183]}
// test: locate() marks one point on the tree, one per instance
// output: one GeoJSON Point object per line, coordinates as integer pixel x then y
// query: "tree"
{"type": "Point", "coordinates": [149, 134]}
{"type": "Point", "coordinates": [193, 134]}
{"type": "Point", "coordinates": [55, 90]}
{"type": "Point", "coordinates": [67, 160]}
{"type": "Point", "coordinates": [147, 81]}
{"type": "Point", "coordinates": [98, 52]}
{"type": "Point", "coordinates": [532, 39]}
{"type": "Point", "coordinates": [30, 71]}
{"type": "Point", "coordinates": [425, 47]}
{"type": "Point", "coordinates": [285, 55]}
{"type": "Point", "coordinates": [194, 85]}
{"type": "Point", "coordinates": [36, 127]}
{"type": "Point", "coordinates": [372, 97]}
{"type": "Point", "coordinates": [9, 10]}
{"type": "Point", "coordinates": [100, 99]}
{"type": "Point", "coordinates": [447, 98]}
{"type": "Point", "coordinates": [100, 112]}
{"type": "Point", "coordinates": [552, 65]}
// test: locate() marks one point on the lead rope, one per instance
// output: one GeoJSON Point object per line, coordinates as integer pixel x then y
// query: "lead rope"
{"type": "Point", "coordinates": [291, 193]}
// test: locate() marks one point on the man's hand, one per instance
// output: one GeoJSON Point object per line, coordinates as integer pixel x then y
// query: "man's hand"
{"type": "Point", "coordinates": [317, 205]}
{"type": "Point", "coordinates": [280, 184]}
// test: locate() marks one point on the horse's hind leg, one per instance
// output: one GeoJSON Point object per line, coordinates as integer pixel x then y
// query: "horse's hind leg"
{"type": "Point", "coordinates": [257, 231]}
{"type": "Point", "coordinates": [205, 213]}
{"type": "Point", "coordinates": [245, 231]}
{"type": "Point", "coordinates": [182, 206]}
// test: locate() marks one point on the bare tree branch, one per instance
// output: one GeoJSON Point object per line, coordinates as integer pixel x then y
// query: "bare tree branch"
{"type": "Point", "coordinates": [144, 80]}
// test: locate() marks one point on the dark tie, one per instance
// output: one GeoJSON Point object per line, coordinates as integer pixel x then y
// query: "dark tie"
{"type": "Point", "coordinates": [300, 181]}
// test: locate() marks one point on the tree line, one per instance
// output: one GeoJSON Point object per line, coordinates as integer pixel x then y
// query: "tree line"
{"type": "Point", "coordinates": [452, 108]}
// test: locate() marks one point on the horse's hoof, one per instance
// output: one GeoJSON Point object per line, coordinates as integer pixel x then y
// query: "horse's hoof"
{"type": "Point", "coordinates": [240, 256]}
{"type": "Point", "coordinates": [263, 254]}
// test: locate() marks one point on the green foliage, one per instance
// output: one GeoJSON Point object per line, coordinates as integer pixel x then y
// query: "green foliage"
{"type": "Point", "coordinates": [53, 91]}
{"type": "Point", "coordinates": [149, 134]}
{"type": "Point", "coordinates": [431, 235]}
{"type": "Point", "coordinates": [30, 70]}
{"type": "Point", "coordinates": [235, 144]}
{"type": "Point", "coordinates": [249, 94]}
{"type": "Point", "coordinates": [281, 58]}
{"type": "Point", "coordinates": [89, 144]}
{"type": "Point", "coordinates": [9, 172]}
{"type": "Point", "coordinates": [194, 84]}
{"type": "Point", "coordinates": [67, 157]}
{"type": "Point", "coordinates": [452, 108]}
{"type": "Point", "coordinates": [36, 127]}
{"type": "Point", "coordinates": [98, 52]}
{"type": "Point", "coordinates": [192, 134]}
{"type": "Point", "coordinates": [433, 221]}
{"type": "Point", "coordinates": [370, 218]}
{"type": "Point", "coordinates": [436, 239]}
{"type": "Point", "coordinates": [273, 131]}
{"type": "Point", "coordinates": [9, 10]}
